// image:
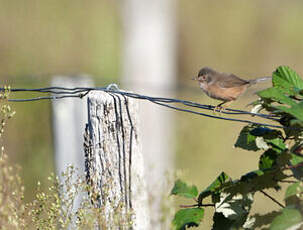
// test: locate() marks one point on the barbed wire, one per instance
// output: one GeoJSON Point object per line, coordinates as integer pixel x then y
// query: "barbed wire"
{"type": "Point", "coordinates": [80, 92]}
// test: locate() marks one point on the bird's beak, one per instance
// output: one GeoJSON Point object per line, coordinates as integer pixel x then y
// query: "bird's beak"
{"type": "Point", "coordinates": [194, 78]}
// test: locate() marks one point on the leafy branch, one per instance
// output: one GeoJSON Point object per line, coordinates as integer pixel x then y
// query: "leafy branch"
{"type": "Point", "coordinates": [281, 162]}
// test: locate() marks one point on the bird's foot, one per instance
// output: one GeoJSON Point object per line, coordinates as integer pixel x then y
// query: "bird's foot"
{"type": "Point", "coordinates": [218, 108]}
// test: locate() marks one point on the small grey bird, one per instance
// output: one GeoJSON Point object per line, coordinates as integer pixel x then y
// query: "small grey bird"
{"type": "Point", "coordinates": [223, 86]}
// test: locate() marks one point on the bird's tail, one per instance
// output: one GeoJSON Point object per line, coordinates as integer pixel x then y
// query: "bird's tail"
{"type": "Point", "coordinates": [260, 79]}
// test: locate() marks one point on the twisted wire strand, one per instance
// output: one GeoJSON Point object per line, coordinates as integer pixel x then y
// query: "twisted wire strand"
{"type": "Point", "coordinates": [80, 92]}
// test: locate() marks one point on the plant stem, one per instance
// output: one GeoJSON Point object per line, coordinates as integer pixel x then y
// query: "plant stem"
{"type": "Point", "coordinates": [197, 205]}
{"type": "Point", "coordinates": [273, 199]}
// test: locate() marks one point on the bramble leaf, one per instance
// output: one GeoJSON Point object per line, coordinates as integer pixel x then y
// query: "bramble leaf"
{"type": "Point", "coordinates": [277, 144]}
{"type": "Point", "coordinates": [188, 217]}
{"type": "Point", "coordinates": [293, 190]}
{"type": "Point", "coordinates": [222, 179]}
{"type": "Point", "coordinates": [255, 181]}
{"type": "Point", "coordinates": [235, 208]}
{"type": "Point", "coordinates": [277, 95]}
{"type": "Point", "coordinates": [266, 132]}
{"type": "Point", "coordinates": [182, 189]}
{"type": "Point", "coordinates": [246, 140]}
{"type": "Point", "coordinates": [268, 159]}
{"type": "Point", "coordinates": [290, 218]}
{"type": "Point", "coordinates": [297, 159]}
{"type": "Point", "coordinates": [221, 222]}
{"type": "Point", "coordinates": [287, 80]}
{"type": "Point", "coordinates": [295, 110]}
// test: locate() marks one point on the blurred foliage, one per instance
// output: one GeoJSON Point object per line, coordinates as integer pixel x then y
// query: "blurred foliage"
{"type": "Point", "coordinates": [54, 208]}
{"type": "Point", "coordinates": [282, 155]}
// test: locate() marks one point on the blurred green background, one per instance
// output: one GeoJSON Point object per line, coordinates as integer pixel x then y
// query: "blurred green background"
{"type": "Point", "coordinates": [43, 38]}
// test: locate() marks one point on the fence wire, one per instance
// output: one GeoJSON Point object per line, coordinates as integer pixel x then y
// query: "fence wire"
{"type": "Point", "coordinates": [56, 93]}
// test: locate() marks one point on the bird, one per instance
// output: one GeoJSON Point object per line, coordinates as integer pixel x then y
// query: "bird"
{"type": "Point", "coordinates": [224, 86]}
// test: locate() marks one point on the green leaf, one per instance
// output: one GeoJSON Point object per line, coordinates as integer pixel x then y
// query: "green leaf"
{"type": "Point", "coordinates": [295, 160]}
{"type": "Point", "coordinates": [263, 220]}
{"type": "Point", "coordinates": [221, 222]}
{"type": "Point", "coordinates": [266, 132]}
{"type": "Point", "coordinates": [270, 136]}
{"type": "Point", "coordinates": [182, 189]}
{"type": "Point", "coordinates": [255, 181]}
{"type": "Point", "coordinates": [290, 217]}
{"type": "Point", "coordinates": [277, 144]}
{"type": "Point", "coordinates": [273, 159]}
{"type": "Point", "coordinates": [188, 217]}
{"type": "Point", "coordinates": [294, 189]}
{"type": "Point", "coordinates": [222, 179]}
{"type": "Point", "coordinates": [287, 80]}
{"type": "Point", "coordinates": [246, 140]}
{"type": "Point", "coordinates": [295, 110]}
{"type": "Point", "coordinates": [277, 95]}
{"type": "Point", "coordinates": [268, 159]}
{"type": "Point", "coordinates": [233, 207]}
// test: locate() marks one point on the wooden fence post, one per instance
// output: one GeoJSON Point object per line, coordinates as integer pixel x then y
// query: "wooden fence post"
{"type": "Point", "coordinates": [114, 163]}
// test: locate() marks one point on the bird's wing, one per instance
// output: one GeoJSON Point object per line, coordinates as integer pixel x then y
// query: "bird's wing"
{"type": "Point", "coordinates": [230, 81]}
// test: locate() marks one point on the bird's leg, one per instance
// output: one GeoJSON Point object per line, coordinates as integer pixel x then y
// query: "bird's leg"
{"type": "Point", "coordinates": [227, 103]}
{"type": "Point", "coordinates": [219, 106]}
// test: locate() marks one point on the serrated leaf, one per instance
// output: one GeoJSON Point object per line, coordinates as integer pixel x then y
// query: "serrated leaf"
{"type": "Point", "coordinates": [182, 189]}
{"type": "Point", "coordinates": [234, 207]}
{"type": "Point", "coordinates": [277, 95]}
{"type": "Point", "coordinates": [265, 132]}
{"type": "Point", "coordinates": [277, 144]}
{"type": "Point", "coordinates": [246, 140]}
{"type": "Point", "coordinates": [221, 222]}
{"type": "Point", "coordinates": [232, 211]}
{"type": "Point", "coordinates": [295, 110]}
{"type": "Point", "coordinates": [215, 185]}
{"type": "Point", "coordinates": [295, 160]}
{"type": "Point", "coordinates": [294, 122]}
{"type": "Point", "coordinates": [255, 181]}
{"type": "Point", "coordinates": [268, 159]}
{"type": "Point", "coordinates": [188, 217]}
{"type": "Point", "coordinates": [289, 218]}
{"type": "Point", "coordinates": [293, 190]}
{"type": "Point", "coordinates": [263, 220]}
{"type": "Point", "coordinates": [288, 80]}
{"type": "Point", "coordinates": [251, 175]}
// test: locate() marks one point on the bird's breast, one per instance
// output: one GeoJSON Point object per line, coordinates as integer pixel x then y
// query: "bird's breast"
{"type": "Point", "coordinates": [224, 94]}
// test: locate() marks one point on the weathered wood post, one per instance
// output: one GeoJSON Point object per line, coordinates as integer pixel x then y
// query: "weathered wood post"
{"type": "Point", "coordinates": [114, 163]}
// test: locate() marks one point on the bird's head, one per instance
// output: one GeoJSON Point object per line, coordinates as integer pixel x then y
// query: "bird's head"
{"type": "Point", "coordinates": [204, 75]}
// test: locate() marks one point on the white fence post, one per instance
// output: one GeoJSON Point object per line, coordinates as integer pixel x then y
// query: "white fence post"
{"type": "Point", "coordinates": [149, 67]}
{"type": "Point", "coordinates": [69, 116]}
{"type": "Point", "coordinates": [114, 164]}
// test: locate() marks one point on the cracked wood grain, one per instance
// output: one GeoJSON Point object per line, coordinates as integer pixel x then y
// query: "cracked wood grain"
{"type": "Point", "coordinates": [114, 162]}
